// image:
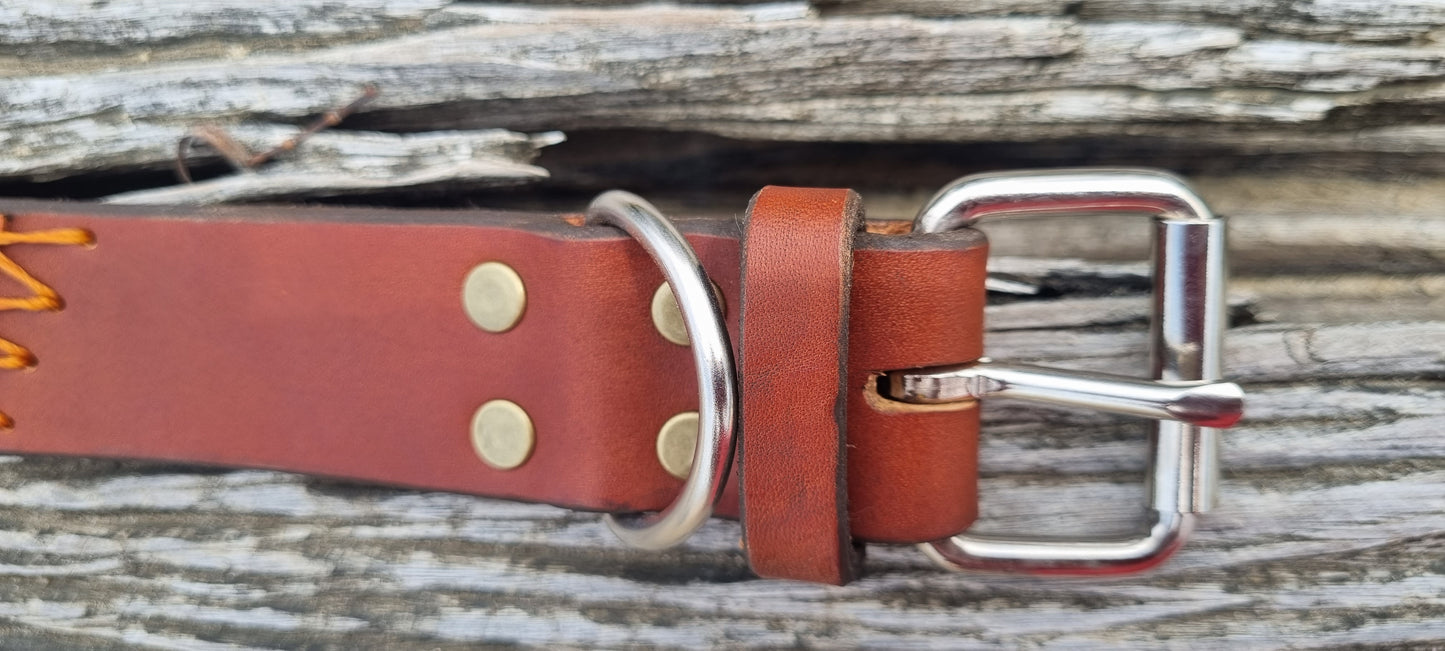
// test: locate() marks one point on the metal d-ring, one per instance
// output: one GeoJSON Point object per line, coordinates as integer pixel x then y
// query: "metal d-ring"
{"type": "Point", "coordinates": [716, 381]}
{"type": "Point", "coordinates": [1186, 334]}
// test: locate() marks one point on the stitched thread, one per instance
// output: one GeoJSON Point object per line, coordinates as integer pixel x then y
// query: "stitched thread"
{"type": "Point", "coordinates": [43, 298]}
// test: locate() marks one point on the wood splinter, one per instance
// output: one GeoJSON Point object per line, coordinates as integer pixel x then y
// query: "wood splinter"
{"type": "Point", "coordinates": [241, 157]}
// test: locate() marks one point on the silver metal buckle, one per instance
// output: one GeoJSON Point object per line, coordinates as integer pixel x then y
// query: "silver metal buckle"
{"type": "Point", "coordinates": [716, 381]}
{"type": "Point", "coordinates": [1186, 331]}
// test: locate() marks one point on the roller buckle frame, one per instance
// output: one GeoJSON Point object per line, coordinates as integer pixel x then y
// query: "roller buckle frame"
{"type": "Point", "coordinates": [1184, 395]}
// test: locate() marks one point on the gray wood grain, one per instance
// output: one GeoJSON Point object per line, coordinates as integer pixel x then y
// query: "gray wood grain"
{"type": "Point", "coordinates": [84, 25]}
{"type": "Point", "coordinates": [355, 162]}
{"type": "Point", "coordinates": [1328, 20]}
{"type": "Point", "coordinates": [717, 70]}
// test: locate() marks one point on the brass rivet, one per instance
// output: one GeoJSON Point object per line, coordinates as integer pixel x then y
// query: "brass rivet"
{"type": "Point", "coordinates": [502, 434]}
{"type": "Point", "coordinates": [667, 317]}
{"type": "Point", "coordinates": [677, 442]}
{"type": "Point", "coordinates": [494, 297]}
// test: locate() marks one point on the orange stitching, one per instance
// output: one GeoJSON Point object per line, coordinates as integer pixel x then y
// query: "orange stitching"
{"type": "Point", "coordinates": [44, 298]}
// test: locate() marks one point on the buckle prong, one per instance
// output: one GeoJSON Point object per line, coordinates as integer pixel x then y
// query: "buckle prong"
{"type": "Point", "coordinates": [1184, 395]}
{"type": "Point", "coordinates": [1211, 404]}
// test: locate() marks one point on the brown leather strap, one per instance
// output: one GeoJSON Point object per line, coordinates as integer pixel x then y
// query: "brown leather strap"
{"type": "Point", "coordinates": [793, 360]}
{"type": "Point", "coordinates": [333, 341]}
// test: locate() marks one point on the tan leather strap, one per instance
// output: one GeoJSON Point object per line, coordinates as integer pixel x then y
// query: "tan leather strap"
{"type": "Point", "coordinates": [793, 362]}
{"type": "Point", "coordinates": [333, 341]}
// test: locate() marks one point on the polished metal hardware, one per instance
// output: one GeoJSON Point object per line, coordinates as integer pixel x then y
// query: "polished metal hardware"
{"type": "Point", "coordinates": [1186, 332]}
{"type": "Point", "coordinates": [676, 444]}
{"type": "Point", "coordinates": [667, 316]}
{"type": "Point", "coordinates": [503, 435]}
{"type": "Point", "coordinates": [1211, 404]}
{"type": "Point", "coordinates": [716, 379]}
{"type": "Point", "coordinates": [494, 297]}
{"type": "Point", "coordinates": [1185, 397]}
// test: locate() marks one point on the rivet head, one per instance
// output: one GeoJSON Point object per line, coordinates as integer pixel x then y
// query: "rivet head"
{"type": "Point", "coordinates": [667, 316]}
{"type": "Point", "coordinates": [494, 297]}
{"type": "Point", "coordinates": [502, 434]}
{"type": "Point", "coordinates": [677, 443]}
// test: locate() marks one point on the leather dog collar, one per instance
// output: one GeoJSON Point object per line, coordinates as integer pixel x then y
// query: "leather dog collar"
{"type": "Point", "coordinates": [338, 342]}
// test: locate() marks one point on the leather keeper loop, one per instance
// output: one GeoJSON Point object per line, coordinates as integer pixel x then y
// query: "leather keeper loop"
{"type": "Point", "coordinates": [797, 267]}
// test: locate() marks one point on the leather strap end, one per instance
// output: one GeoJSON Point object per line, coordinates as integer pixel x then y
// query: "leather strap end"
{"type": "Point", "coordinates": [335, 341]}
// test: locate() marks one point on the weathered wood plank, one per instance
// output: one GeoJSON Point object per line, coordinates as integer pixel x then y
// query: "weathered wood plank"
{"type": "Point", "coordinates": [1320, 19]}
{"type": "Point", "coordinates": [354, 162]}
{"type": "Point", "coordinates": [846, 78]}
{"type": "Point", "coordinates": [1279, 243]}
{"type": "Point", "coordinates": [1265, 353]}
{"type": "Point", "coordinates": [89, 25]}
{"type": "Point", "coordinates": [116, 24]}
{"type": "Point", "coordinates": [1313, 226]}
{"type": "Point", "coordinates": [495, 571]}
{"type": "Point", "coordinates": [1344, 298]}
{"type": "Point", "coordinates": [92, 146]}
